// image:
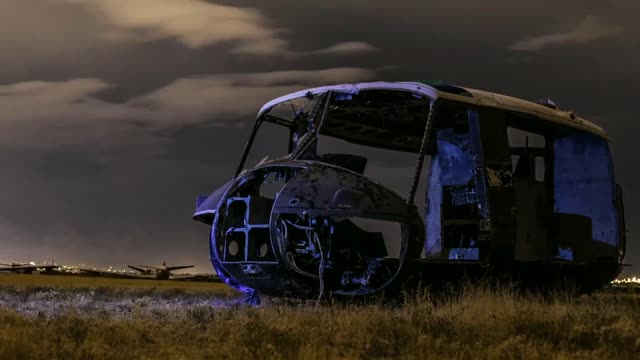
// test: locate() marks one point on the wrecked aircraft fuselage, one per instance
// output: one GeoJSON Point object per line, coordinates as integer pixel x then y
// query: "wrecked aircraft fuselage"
{"type": "Point", "coordinates": [514, 188]}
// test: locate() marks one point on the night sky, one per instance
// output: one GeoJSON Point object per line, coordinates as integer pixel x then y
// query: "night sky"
{"type": "Point", "coordinates": [116, 114]}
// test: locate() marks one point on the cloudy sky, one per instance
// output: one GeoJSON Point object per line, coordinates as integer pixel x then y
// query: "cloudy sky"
{"type": "Point", "coordinates": [116, 114]}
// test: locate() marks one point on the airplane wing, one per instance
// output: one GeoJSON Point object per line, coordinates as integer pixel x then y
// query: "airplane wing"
{"type": "Point", "coordinates": [138, 268]}
{"type": "Point", "coordinates": [171, 268]}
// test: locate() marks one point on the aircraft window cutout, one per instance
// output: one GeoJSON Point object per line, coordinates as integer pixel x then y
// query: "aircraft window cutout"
{"type": "Point", "coordinates": [527, 154]}
{"type": "Point", "coordinates": [269, 144]}
{"type": "Point", "coordinates": [394, 169]}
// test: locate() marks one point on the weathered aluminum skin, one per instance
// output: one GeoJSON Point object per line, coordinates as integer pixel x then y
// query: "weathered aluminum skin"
{"type": "Point", "coordinates": [478, 97]}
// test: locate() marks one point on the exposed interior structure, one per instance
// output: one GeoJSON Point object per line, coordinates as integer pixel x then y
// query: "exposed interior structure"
{"type": "Point", "coordinates": [511, 184]}
{"type": "Point", "coordinates": [552, 186]}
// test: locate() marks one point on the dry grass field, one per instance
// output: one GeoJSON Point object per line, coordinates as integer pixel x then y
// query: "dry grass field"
{"type": "Point", "coordinates": [43, 317]}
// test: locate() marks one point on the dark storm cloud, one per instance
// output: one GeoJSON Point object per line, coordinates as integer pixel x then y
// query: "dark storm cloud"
{"type": "Point", "coordinates": [120, 112]}
{"type": "Point", "coordinates": [46, 115]}
{"type": "Point", "coordinates": [145, 44]}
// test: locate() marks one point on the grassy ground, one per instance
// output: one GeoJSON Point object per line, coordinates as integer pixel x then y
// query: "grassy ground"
{"type": "Point", "coordinates": [185, 324]}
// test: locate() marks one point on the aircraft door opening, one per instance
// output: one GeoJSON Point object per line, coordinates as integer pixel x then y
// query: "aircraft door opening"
{"type": "Point", "coordinates": [457, 207]}
{"type": "Point", "coordinates": [532, 195]}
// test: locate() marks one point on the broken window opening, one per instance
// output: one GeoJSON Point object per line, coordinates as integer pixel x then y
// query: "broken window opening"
{"type": "Point", "coordinates": [393, 169]}
{"type": "Point", "coordinates": [290, 113]}
{"type": "Point", "coordinates": [381, 127]}
{"type": "Point", "coordinates": [270, 143]}
{"type": "Point", "coordinates": [294, 119]}
{"type": "Point", "coordinates": [532, 191]}
{"type": "Point", "coordinates": [527, 154]}
{"type": "Point", "coordinates": [385, 119]}
{"type": "Point", "coordinates": [455, 196]}
{"type": "Point", "coordinates": [538, 167]}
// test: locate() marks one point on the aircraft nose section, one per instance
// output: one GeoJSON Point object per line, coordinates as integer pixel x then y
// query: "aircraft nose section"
{"type": "Point", "coordinates": [303, 227]}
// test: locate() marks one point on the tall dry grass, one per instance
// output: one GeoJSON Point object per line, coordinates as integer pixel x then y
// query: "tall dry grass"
{"type": "Point", "coordinates": [480, 323]}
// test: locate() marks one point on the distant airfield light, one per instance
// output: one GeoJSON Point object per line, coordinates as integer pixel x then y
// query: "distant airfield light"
{"type": "Point", "coordinates": [631, 280]}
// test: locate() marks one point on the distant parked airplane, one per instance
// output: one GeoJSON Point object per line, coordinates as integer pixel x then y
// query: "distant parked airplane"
{"type": "Point", "coordinates": [161, 272]}
{"type": "Point", "coordinates": [27, 268]}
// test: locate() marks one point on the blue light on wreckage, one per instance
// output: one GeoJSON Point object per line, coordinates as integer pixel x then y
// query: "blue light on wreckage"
{"type": "Point", "coordinates": [343, 97]}
{"type": "Point", "coordinates": [251, 295]}
{"type": "Point", "coordinates": [464, 254]}
{"type": "Point", "coordinates": [565, 254]}
{"type": "Point", "coordinates": [584, 183]}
